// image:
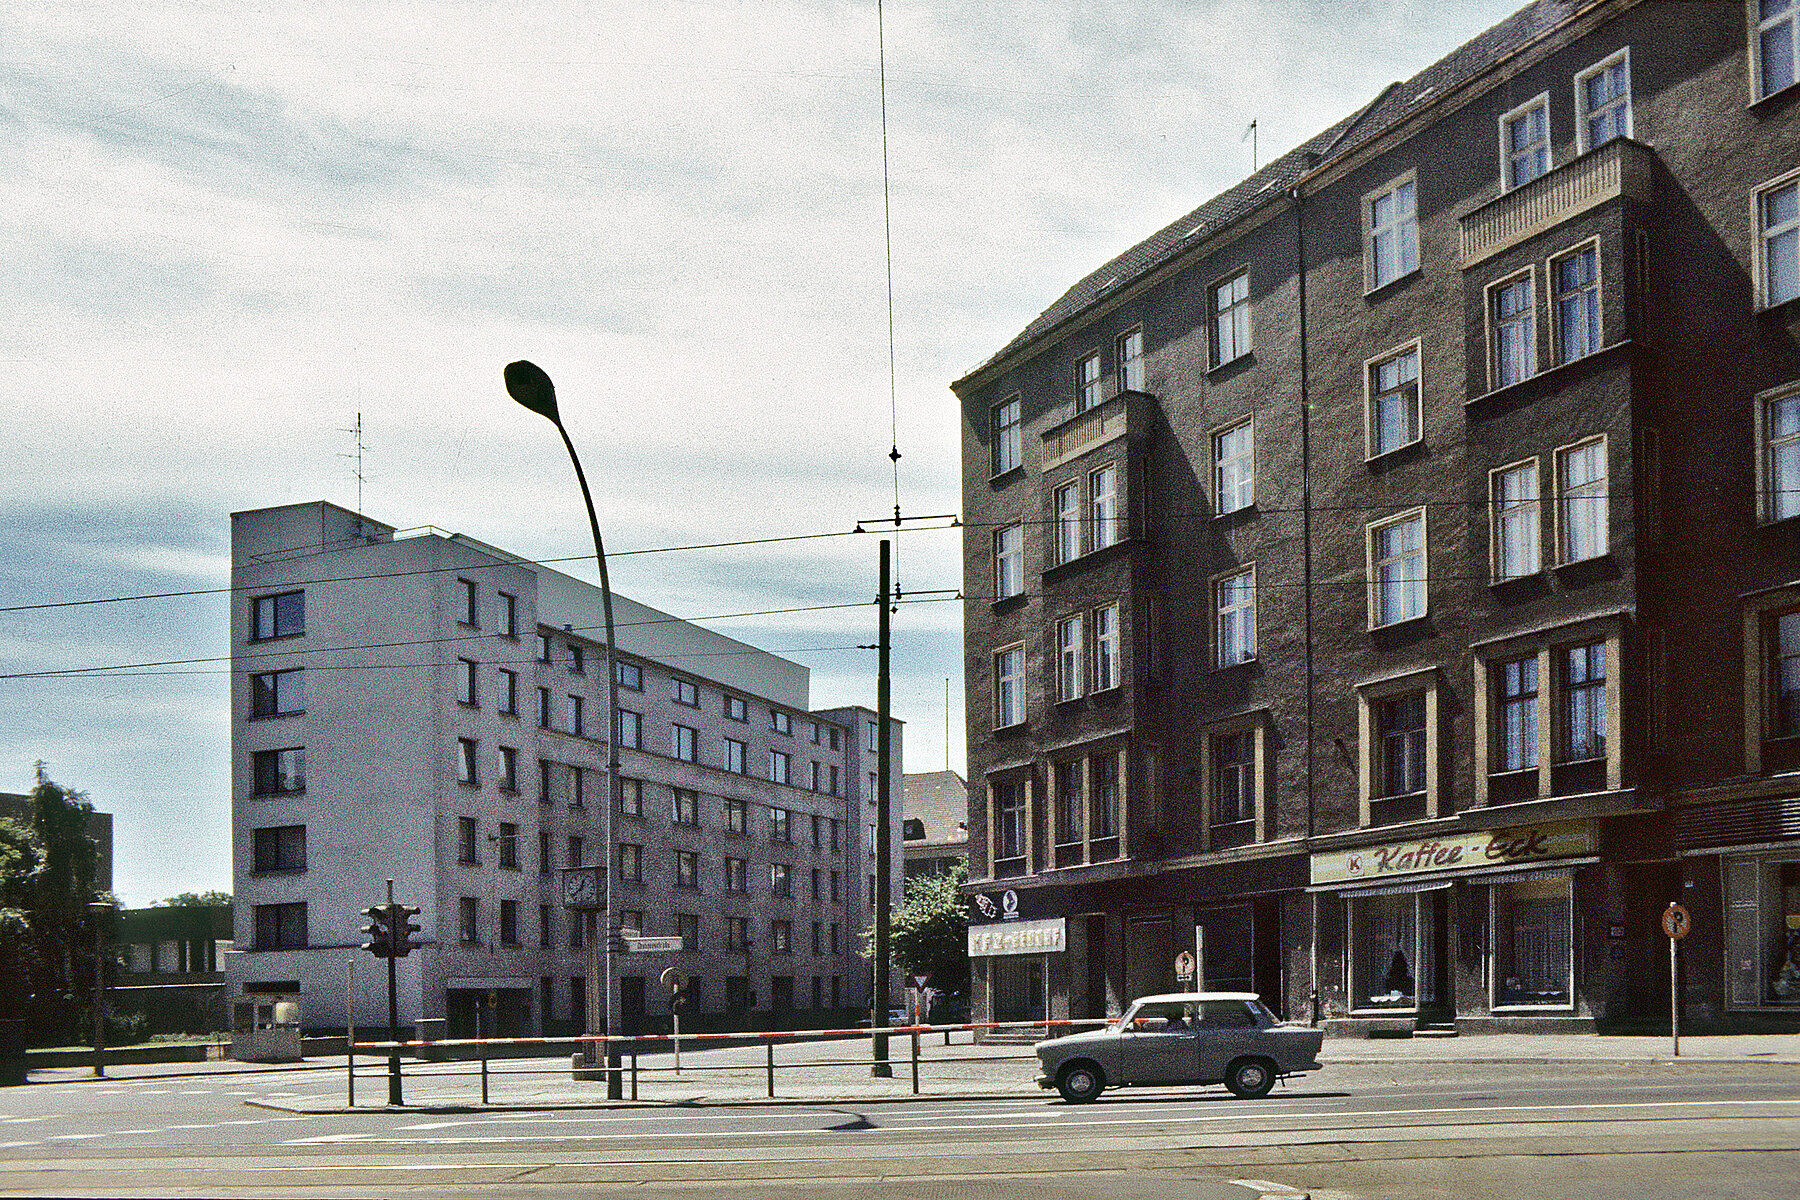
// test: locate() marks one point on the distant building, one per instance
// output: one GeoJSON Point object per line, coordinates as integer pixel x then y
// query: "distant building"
{"type": "Point", "coordinates": [172, 966]}
{"type": "Point", "coordinates": [99, 828]}
{"type": "Point", "coordinates": [935, 822]}
{"type": "Point", "coordinates": [432, 710]}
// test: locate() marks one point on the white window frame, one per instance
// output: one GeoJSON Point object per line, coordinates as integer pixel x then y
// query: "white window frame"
{"type": "Point", "coordinates": [1403, 228]}
{"type": "Point", "coordinates": [1510, 156]}
{"type": "Point", "coordinates": [1128, 360]}
{"type": "Point", "coordinates": [1371, 418]}
{"type": "Point", "coordinates": [1234, 477]}
{"type": "Point", "coordinates": [1379, 617]}
{"type": "Point", "coordinates": [1103, 506]}
{"type": "Point", "coordinates": [1228, 320]}
{"type": "Point", "coordinates": [1592, 300]}
{"type": "Point", "coordinates": [1757, 27]}
{"type": "Point", "coordinates": [1584, 116]}
{"type": "Point", "coordinates": [1005, 427]}
{"type": "Point", "coordinates": [1585, 494]}
{"type": "Point", "coordinates": [1773, 491]}
{"type": "Point", "coordinates": [1525, 320]}
{"type": "Point", "coordinates": [1788, 231]}
{"type": "Point", "coordinates": [1234, 617]}
{"type": "Point", "coordinates": [1087, 381]}
{"type": "Point", "coordinates": [1009, 686]}
{"type": "Point", "coordinates": [1071, 658]}
{"type": "Point", "coordinates": [1009, 562]}
{"type": "Point", "coordinates": [1065, 501]}
{"type": "Point", "coordinates": [1530, 519]}
{"type": "Point", "coordinates": [1106, 647]}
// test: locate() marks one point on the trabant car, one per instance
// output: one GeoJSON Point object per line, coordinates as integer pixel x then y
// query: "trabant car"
{"type": "Point", "coordinates": [1181, 1038]}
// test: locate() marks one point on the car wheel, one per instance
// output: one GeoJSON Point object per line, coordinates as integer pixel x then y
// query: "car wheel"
{"type": "Point", "coordinates": [1250, 1078]}
{"type": "Point", "coordinates": [1080, 1082]}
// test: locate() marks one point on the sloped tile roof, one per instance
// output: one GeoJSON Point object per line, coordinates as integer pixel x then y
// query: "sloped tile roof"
{"type": "Point", "coordinates": [941, 800]}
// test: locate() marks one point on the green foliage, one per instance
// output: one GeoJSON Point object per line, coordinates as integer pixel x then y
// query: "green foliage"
{"type": "Point", "coordinates": [47, 875]}
{"type": "Point", "coordinates": [929, 932]}
{"type": "Point", "coordinates": [194, 900]}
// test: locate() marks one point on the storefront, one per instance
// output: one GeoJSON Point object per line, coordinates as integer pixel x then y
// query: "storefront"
{"type": "Point", "coordinates": [1010, 963]}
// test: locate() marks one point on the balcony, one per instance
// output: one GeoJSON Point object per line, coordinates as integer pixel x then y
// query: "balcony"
{"type": "Point", "coordinates": [1619, 168]}
{"type": "Point", "coordinates": [1121, 415]}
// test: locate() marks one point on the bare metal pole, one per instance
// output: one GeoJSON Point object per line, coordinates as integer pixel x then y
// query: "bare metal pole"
{"type": "Point", "coordinates": [883, 844]}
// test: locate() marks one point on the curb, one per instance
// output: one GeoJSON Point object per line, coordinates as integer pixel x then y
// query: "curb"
{"type": "Point", "coordinates": [624, 1105]}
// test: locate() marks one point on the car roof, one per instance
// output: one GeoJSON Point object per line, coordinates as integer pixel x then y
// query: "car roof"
{"type": "Point", "coordinates": [1168, 997]}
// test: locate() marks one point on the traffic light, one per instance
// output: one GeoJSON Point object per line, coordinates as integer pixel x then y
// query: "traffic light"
{"type": "Point", "coordinates": [403, 929]}
{"type": "Point", "coordinates": [379, 932]}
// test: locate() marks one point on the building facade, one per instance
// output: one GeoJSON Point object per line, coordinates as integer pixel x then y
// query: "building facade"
{"type": "Point", "coordinates": [1383, 582]}
{"type": "Point", "coordinates": [934, 823]}
{"type": "Point", "coordinates": [431, 710]}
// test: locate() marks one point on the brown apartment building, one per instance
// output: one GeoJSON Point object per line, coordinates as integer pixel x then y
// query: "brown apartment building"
{"type": "Point", "coordinates": [1385, 580]}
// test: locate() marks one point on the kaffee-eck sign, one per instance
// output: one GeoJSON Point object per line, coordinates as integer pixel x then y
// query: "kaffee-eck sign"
{"type": "Point", "coordinates": [1461, 852]}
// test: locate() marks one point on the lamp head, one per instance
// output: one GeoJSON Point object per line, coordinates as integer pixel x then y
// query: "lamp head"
{"type": "Point", "coordinates": [528, 383]}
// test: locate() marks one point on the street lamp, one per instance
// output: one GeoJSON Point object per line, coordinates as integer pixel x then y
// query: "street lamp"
{"type": "Point", "coordinates": [528, 383]}
{"type": "Point", "coordinates": [101, 910]}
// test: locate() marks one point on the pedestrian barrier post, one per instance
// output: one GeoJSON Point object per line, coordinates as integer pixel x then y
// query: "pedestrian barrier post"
{"type": "Point", "coordinates": [770, 1047]}
{"type": "Point", "coordinates": [915, 1061]}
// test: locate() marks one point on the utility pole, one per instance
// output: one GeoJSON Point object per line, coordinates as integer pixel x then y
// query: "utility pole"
{"type": "Point", "coordinates": [884, 849]}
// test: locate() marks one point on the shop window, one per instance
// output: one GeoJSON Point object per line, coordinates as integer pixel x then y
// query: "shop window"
{"type": "Point", "coordinates": [1762, 919]}
{"type": "Point", "coordinates": [1533, 950]}
{"type": "Point", "coordinates": [1395, 951]}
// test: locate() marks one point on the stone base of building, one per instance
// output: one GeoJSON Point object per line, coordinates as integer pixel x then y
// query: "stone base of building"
{"type": "Point", "coordinates": [1477, 1026]}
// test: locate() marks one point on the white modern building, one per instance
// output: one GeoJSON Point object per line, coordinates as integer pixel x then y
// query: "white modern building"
{"type": "Point", "coordinates": [432, 710]}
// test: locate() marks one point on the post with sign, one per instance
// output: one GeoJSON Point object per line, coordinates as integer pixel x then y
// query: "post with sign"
{"type": "Point", "coordinates": [1675, 923]}
{"type": "Point", "coordinates": [676, 980]}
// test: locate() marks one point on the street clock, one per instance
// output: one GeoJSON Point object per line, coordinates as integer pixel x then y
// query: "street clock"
{"type": "Point", "coordinates": [582, 887]}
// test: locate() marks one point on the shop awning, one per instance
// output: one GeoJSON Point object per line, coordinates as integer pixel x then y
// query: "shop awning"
{"type": "Point", "coordinates": [1396, 889]}
{"type": "Point", "coordinates": [1501, 873]}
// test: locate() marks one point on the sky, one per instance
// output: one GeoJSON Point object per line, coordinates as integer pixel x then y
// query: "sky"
{"type": "Point", "coordinates": [231, 229]}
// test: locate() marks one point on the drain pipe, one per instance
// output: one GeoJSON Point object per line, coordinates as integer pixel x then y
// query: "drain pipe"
{"type": "Point", "coordinates": [1307, 577]}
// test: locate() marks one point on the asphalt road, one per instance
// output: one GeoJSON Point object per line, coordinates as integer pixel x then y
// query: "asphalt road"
{"type": "Point", "coordinates": [1510, 1132]}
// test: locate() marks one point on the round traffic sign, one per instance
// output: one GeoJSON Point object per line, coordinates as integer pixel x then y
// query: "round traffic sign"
{"type": "Point", "coordinates": [1184, 964]}
{"type": "Point", "coordinates": [1675, 921]}
{"type": "Point", "coordinates": [674, 978]}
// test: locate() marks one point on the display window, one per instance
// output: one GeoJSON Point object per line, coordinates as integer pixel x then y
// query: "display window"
{"type": "Point", "coordinates": [1533, 944]}
{"type": "Point", "coordinates": [1762, 930]}
{"type": "Point", "coordinates": [1396, 950]}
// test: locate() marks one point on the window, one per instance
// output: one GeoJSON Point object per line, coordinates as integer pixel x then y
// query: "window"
{"type": "Point", "coordinates": [509, 615]}
{"type": "Point", "coordinates": [1400, 745]}
{"type": "Point", "coordinates": [818, 947]}
{"type": "Point", "coordinates": [1087, 382]}
{"type": "Point", "coordinates": [1106, 647]}
{"type": "Point", "coordinates": [817, 770]}
{"type": "Point", "coordinates": [736, 709]}
{"type": "Point", "coordinates": [278, 693]}
{"type": "Point", "coordinates": [1234, 618]}
{"type": "Point", "coordinates": [836, 738]}
{"type": "Point", "coordinates": [781, 825]}
{"type": "Point", "coordinates": [781, 879]}
{"type": "Point", "coordinates": [467, 840]}
{"type": "Point", "coordinates": [1128, 354]}
{"type": "Point", "coordinates": [1533, 943]}
{"type": "Point", "coordinates": [509, 692]}
{"type": "Point", "coordinates": [631, 863]}
{"type": "Point", "coordinates": [577, 659]}
{"type": "Point", "coordinates": [737, 875]}
{"type": "Point", "coordinates": [577, 984]}
{"type": "Point", "coordinates": [836, 887]}
{"type": "Point", "coordinates": [277, 616]}
{"type": "Point", "coordinates": [575, 852]}
{"type": "Point", "coordinates": [1525, 142]}
{"type": "Point", "coordinates": [1103, 506]}
{"type": "Point", "coordinates": [812, 731]}
{"type": "Point", "coordinates": [1230, 318]}
{"type": "Point", "coordinates": [681, 691]}
{"type": "Point", "coordinates": [781, 939]}
{"type": "Point", "coordinates": [834, 779]}
{"type": "Point", "coordinates": [1393, 234]}
{"type": "Point", "coordinates": [544, 721]}
{"type": "Point", "coordinates": [465, 680]}
{"type": "Point", "coordinates": [545, 788]}
{"type": "Point", "coordinates": [1393, 953]}
{"type": "Point", "coordinates": [471, 610]}
{"type": "Point", "coordinates": [1071, 803]}
{"type": "Point", "coordinates": [1009, 562]}
{"type": "Point", "coordinates": [543, 640]}
{"type": "Point", "coordinates": [1575, 278]}
{"type": "Point", "coordinates": [687, 870]}
{"type": "Point", "coordinates": [277, 772]}
{"type": "Point", "coordinates": [546, 939]}
{"type": "Point", "coordinates": [1009, 687]}
{"type": "Point", "coordinates": [1397, 569]}
{"type": "Point", "coordinates": [1778, 429]}
{"type": "Point", "coordinates": [737, 937]}
{"type": "Point", "coordinates": [1774, 45]}
{"type": "Point", "coordinates": [687, 928]}
{"type": "Point", "coordinates": [1067, 501]}
{"type": "Point", "coordinates": [1581, 500]}
{"type": "Point", "coordinates": [1071, 663]}
{"type": "Point", "coordinates": [280, 848]}
{"type": "Point", "coordinates": [1006, 436]}
{"type": "Point", "coordinates": [577, 716]}
{"type": "Point", "coordinates": [686, 807]}
{"type": "Point", "coordinates": [467, 768]}
{"type": "Point", "coordinates": [1584, 702]}
{"type": "Point", "coordinates": [835, 950]}
{"type": "Point", "coordinates": [780, 722]}
{"type": "Point", "coordinates": [631, 729]}
{"type": "Point", "coordinates": [1234, 468]}
{"type": "Point", "coordinates": [874, 733]}
{"type": "Point", "coordinates": [1513, 493]}
{"type": "Point", "coordinates": [818, 840]}
{"type": "Point", "coordinates": [468, 911]}
{"type": "Point", "coordinates": [737, 816]}
{"type": "Point", "coordinates": [509, 922]}
{"type": "Point", "coordinates": [1778, 241]}
{"type": "Point", "coordinates": [683, 743]}
{"type": "Point", "coordinates": [631, 797]}
{"type": "Point", "coordinates": [543, 852]}
{"type": "Point", "coordinates": [631, 675]}
{"type": "Point", "coordinates": [1393, 385]}
{"type": "Point", "coordinates": [1603, 101]}
{"type": "Point", "coordinates": [1233, 780]}
{"type": "Point", "coordinates": [1103, 778]}
{"type": "Point", "coordinates": [509, 769]}
{"type": "Point", "coordinates": [280, 926]}
{"type": "Point", "coordinates": [577, 787]}
{"type": "Point", "coordinates": [1512, 331]}
{"type": "Point", "coordinates": [833, 823]}
{"type": "Point", "coordinates": [1517, 683]}
{"type": "Point", "coordinates": [1009, 820]}
{"type": "Point", "coordinates": [737, 756]}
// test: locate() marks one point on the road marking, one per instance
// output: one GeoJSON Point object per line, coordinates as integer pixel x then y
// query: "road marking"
{"type": "Point", "coordinates": [205, 1092]}
{"type": "Point", "coordinates": [10, 1145]}
{"type": "Point", "coordinates": [76, 1137]}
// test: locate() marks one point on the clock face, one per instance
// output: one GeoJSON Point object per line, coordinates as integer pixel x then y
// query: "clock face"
{"type": "Point", "coordinates": [581, 888]}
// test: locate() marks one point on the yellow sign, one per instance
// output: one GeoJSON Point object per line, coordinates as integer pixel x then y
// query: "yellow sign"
{"type": "Point", "coordinates": [1463, 852]}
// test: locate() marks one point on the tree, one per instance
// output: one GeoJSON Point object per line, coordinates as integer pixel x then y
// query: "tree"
{"type": "Point", "coordinates": [929, 932]}
{"type": "Point", "coordinates": [206, 899]}
{"type": "Point", "coordinates": [47, 876]}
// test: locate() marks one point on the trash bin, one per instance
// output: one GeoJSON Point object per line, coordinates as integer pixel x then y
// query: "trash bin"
{"type": "Point", "coordinates": [265, 1027]}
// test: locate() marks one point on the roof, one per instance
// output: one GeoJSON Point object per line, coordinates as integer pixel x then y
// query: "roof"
{"type": "Point", "coordinates": [940, 799]}
{"type": "Point", "coordinates": [1396, 102]}
{"type": "Point", "coordinates": [1186, 997]}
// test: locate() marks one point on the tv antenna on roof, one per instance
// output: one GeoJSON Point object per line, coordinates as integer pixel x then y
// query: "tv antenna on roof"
{"type": "Point", "coordinates": [356, 432]}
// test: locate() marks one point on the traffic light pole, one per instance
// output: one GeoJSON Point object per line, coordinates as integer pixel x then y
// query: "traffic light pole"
{"type": "Point", "coordinates": [393, 1003]}
{"type": "Point", "coordinates": [883, 898]}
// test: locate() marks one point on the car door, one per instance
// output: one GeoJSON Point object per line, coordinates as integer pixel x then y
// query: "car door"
{"type": "Point", "coordinates": [1227, 1029]}
{"type": "Point", "coordinates": [1158, 1046]}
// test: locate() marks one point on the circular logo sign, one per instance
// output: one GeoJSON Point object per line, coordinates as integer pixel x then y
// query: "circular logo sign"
{"type": "Point", "coordinates": [1676, 922]}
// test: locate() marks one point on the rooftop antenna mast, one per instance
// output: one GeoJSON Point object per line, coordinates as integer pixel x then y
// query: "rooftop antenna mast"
{"type": "Point", "coordinates": [356, 432]}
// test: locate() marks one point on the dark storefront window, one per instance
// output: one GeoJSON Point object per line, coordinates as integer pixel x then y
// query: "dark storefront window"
{"type": "Point", "coordinates": [1393, 953]}
{"type": "Point", "coordinates": [1533, 947]}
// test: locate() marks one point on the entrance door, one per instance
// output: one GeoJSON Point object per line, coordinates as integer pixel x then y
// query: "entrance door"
{"type": "Point", "coordinates": [1149, 956]}
{"type": "Point", "coordinates": [1018, 988]}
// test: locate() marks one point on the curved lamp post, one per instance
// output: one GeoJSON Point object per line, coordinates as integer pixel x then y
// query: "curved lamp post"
{"type": "Point", "coordinates": [528, 383]}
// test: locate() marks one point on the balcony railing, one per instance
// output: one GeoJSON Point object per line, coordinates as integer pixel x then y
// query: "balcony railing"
{"type": "Point", "coordinates": [1619, 168]}
{"type": "Point", "coordinates": [1111, 418]}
